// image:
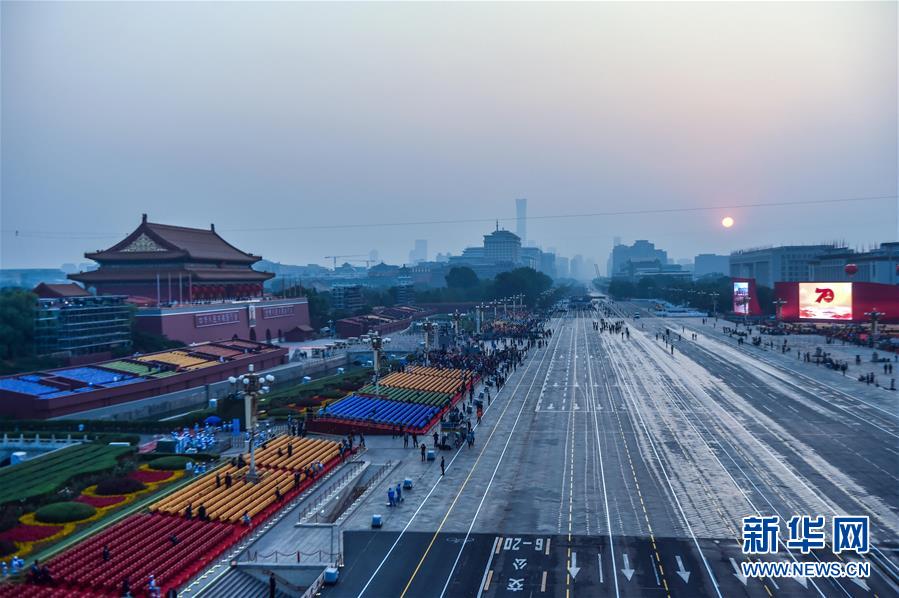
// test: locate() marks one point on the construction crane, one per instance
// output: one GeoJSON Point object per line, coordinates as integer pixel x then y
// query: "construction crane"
{"type": "Point", "coordinates": [356, 255]}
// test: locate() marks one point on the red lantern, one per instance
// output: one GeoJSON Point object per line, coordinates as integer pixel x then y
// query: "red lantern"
{"type": "Point", "coordinates": [851, 269]}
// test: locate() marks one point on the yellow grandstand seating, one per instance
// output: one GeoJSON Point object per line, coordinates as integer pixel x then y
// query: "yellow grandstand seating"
{"type": "Point", "coordinates": [276, 471]}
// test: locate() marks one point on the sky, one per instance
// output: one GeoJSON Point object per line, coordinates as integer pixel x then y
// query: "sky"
{"type": "Point", "coordinates": [285, 123]}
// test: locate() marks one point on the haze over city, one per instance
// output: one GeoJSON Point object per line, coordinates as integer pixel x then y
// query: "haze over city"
{"type": "Point", "coordinates": [261, 117]}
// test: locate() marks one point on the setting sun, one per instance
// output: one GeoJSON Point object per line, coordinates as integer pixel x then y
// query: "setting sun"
{"type": "Point", "coordinates": [727, 222]}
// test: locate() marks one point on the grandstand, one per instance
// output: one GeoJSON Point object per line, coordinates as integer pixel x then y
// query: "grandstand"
{"type": "Point", "coordinates": [69, 390]}
{"type": "Point", "coordinates": [413, 400]}
{"type": "Point", "coordinates": [424, 382]}
{"type": "Point", "coordinates": [275, 470]}
{"type": "Point", "coordinates": [355, 409]}
{"type": "Point", "coordinates": [139, 546]}
{"type": "Point", "coordinates": [142, 544]}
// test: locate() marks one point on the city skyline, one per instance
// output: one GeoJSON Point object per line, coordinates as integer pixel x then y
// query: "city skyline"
{"type": "Point", "coordinates": [289, 137]}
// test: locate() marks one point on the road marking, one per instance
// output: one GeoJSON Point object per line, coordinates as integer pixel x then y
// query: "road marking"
{"type": "Point", "coordinates": [543, 583]}
{"type": "Point", "coordinates": [487, 571]}
{"type": "Point", "coordinates": [684, 574]}
{"type": "Point", "coordinates": [437, 483]}
{"type": "Point", "coordinates": [599, 560]}
{"type": "Point", "coordinates": [489, 579]}
{"type": "Point", "coordinates": [628, 572]}
{"type": "Point", "coordinates": [486, 491]}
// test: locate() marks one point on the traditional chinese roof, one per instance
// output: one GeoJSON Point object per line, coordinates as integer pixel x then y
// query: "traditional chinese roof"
{"type": "Point", "coordinates": [59, 291]}
{"type": "Point", "coordinates": [173, 270]}
{"type": "Point", "coordinates": [164, 242]}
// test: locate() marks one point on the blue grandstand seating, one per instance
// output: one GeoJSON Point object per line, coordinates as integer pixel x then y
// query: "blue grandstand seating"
{"type": "Point", "coordinates": [31, 378]}
{"type": "Point", "coordinates": [56, 395]}
{"type": "Point", "coordinates": [25, 387]}
{"type": "Point", "coordinates": [93, 376]}
{"type": "Point", "coordinates": [381, 411]}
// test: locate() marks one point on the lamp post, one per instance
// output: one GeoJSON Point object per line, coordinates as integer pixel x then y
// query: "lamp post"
{"type": "Point", "coordinates": [778, 308]}
{"type": "Point", "coordinates": [478, 314]}
{"type": "Point", "coordinates": [428, 327]}
{"type": "Point", "coordinates": [874, 315]}
{"type": "Point", "coordinates": [456, 318]}
{"type": "Point", "coordinates": [251, 385]}
{"type": "Point", "coordinates": [377, 342]}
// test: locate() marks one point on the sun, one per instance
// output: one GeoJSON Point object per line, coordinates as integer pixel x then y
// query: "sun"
{"type": "Point", "coordinates": [727, 222]}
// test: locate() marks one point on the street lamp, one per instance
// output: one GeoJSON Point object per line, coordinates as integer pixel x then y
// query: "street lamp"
{"type": "Point", "coordinates": [428, 326]}
{"type": "Point", "coordinates": [778, 308]}
{"type": "Point", "coordinates": [874, 315]}
{"type": "Point", "coordinates": [376, 342]}
{"type": "Point", "coordinates": [252, 385]}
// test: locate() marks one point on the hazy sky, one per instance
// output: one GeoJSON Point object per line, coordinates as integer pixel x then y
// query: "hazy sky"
{"type": "Point", "coordinates": [278, 115]}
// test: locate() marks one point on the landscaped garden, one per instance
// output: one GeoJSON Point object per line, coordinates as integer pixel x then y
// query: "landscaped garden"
{"type": "Point", "coordinates": [49, 498]}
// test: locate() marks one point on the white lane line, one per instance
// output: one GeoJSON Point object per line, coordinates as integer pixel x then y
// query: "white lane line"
{"type": "Point", "coordinates": [602, 472]}
{"type": "Point", "coordinates": [492, 477]}
{"type": "Point", "coordinates": [664, 471]}
{"type": "Point", "coordinates": [440, 479]}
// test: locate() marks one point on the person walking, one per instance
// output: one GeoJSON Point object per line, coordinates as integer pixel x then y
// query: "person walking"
{"type": "Point", "coordinates": [391, 497]}
{"type": "Point", "coordinates": [423, 450]}
{"type": "Point", "coordinates": [405, 440]}
{"type": "Point", "coordinates": [272, 585]}
{"type": "Point", "coordinates": [436, 438]}
{"type": "Point", "coordinates": [442, 466]}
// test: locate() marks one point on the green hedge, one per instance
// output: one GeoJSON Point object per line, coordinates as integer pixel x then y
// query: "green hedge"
{"type": "Point", "coordinates": [8, 547]}
{"type": "Point", "coordinates": [171, 463]}
{"type": "Point", "coordinates": [39, 479]}
{"type": "Point", "coordinates": [64, 512]}
{"type": "Point", "coordinates": [118, 485]}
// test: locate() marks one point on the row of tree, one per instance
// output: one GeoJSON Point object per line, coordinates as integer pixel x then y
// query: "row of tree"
{"type": "Point", "coordinates": [705, 294]}
{"type": "Point", "coordinates": [462, 285]}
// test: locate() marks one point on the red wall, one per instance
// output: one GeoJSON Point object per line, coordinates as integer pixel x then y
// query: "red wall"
{"type": "Point", "coordinates": [182, 324]}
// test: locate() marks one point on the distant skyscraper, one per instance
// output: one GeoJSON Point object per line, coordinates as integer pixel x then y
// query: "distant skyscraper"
{"type": "Point", "coordinates": [521, 216]}
{"type": "Point", "coordinates": [419, 252]}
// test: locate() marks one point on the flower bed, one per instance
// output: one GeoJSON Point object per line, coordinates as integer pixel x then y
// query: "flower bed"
{"type": "Point", "coordinates": [150, 476]}
{"type": "Point", "coordinates": [101, 502]}
{"type": "Point", "coordinates": [30, 533]}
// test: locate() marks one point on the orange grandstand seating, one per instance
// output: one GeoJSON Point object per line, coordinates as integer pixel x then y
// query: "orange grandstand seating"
{"type": "Point", "coordinates": [223, 503]}
{"type": "Point", "coordinates": [276, 471]}
{"type": "Point", "coordinates": [304, 452]}
{"type": "Point", "coordinates": [419, 382]}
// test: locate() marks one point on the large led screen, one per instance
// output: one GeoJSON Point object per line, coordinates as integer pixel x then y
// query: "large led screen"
{"type": "Point", "coordinates": [741, 298]}
{"type": "Point", "coordinates": [825, 300]}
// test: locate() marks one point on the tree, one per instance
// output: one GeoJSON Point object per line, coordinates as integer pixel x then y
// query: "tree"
{"type": "Point", "coordinates": [524, 281]}
{"type": "Point", "coordinates": [461, 277]}
{"type": "Point", "coordinates": [17, 311]}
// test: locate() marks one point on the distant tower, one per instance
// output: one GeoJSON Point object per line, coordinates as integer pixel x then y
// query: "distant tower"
{"type": "Point", "coordinates": [521, 215]}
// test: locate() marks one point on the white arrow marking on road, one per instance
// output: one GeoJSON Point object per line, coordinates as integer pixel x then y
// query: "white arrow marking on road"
{"type": "Point", "coordinates": [860, 583]}
{"type": "Point", "coordinates": [737, 572]}
{"type": "Point", "coordinates": [685, 575]}
{"type": "Point", "coordinates": [576, 406]}
{"type": "Point", "coordinates": [573, 569]}
{"type": "Point", "coordinates": [551, 407]}
{"type": "Point", "coordinates": [802, 581]}
{"type": "Point", "coordinates": [628, 572]}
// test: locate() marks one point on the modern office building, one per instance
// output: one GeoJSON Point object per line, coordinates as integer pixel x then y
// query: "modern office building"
{"type": "Point", "coordinates": [521, 219]}
{"type": "Point", "coordinates": [346, 296]}
{"type": "Point", "coordinates": [709, 264]}
{"type": "Point", "coordinates": [419, 252]}
{"type": "Point", "coordinates": [786, 263]}
{"type": "Point", "coordinates": [641, 251]}
{"type": "Point", "coordinates": [876, 265]}
{"type": "Point", "coordinates": [75, 324]}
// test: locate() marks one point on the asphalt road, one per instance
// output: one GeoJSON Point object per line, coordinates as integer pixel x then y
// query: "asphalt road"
{"type": "Point", "coordinates": [608, 466]}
